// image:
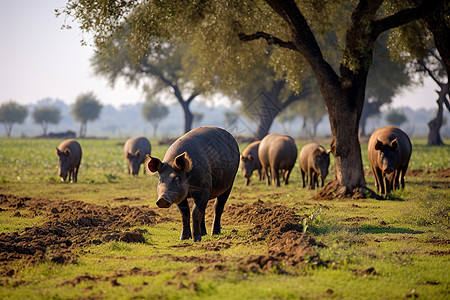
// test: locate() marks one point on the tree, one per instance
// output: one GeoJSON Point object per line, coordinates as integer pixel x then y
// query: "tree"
{"type": "Point", "coordinates": [167, 66]}
{"type": "Point", "coordinates": [386, 77]}
{"type": "Point", "coordinates": [286, 118]}
{"type": "Point", "coordinates": [432, 65]}
{"type": "Point", "coordinates": [427, 44]}
{"type": "Point", "coordinates": [154, 112]}
{"type": "Point", "coordinates": [295, 30]}
{"type": "Point", "coordinates": [396, 118]}
{"type": "Point", "coordinates": [46, 115]}
{"type": "Point", "coordinates": [86, 108]}
{"type": "Point", "coordinates": [10, 113]}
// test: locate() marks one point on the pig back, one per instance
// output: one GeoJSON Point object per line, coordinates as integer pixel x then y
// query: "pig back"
{"type": "Point", "coordinates": [252, 149]}
{"type": "Point", "coordinates": [386, 135]}
{"type": "Point", "coordinates": [306, 156]}
{"type": "Point", "coordinates": [75, 151]}
{"type": "Point", "coordinates": [137, 143]}
{"type": "Point", "coordinates": [278, 150]}
{"type": "Point", "coordinates": [215, 158]}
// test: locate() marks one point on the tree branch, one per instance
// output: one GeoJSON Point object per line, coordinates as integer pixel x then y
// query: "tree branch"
{"type": "Point", "coordinates": [271, 40]}
{"type": "Point", "coordinates": [405, 16]}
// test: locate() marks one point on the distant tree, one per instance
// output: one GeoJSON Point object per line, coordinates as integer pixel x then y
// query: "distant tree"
{"type": "Point", "coordinates": [46, 115]}
{"type": "Point", "coordinates": [198, 118]}
{"type": "Point", "coordinates": [433, 66]}
{"type": "Point", "coordinates": [168, 66]}
{"type": "Point", "coordinates": [10, 113]}
{"type": "Point", "coordinates": [154, 111]}
{"type": "Point", "coordinates": [396, 118]}
{"type": "Point", "coordinates": [86, 108]}
{"type": "Point", "coordinates": [312, 112]}
{"type": "Point", "coordinates": [286, 118]}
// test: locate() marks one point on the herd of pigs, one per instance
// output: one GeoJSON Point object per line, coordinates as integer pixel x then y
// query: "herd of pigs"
{"type": "Point", "coordinates": [202, 164]}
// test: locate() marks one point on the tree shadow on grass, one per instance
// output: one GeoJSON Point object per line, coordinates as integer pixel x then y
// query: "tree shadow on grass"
{"type": "Point", "coordinates": [382, 229]}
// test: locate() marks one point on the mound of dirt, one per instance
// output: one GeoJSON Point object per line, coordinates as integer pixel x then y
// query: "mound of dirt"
{"type": "Point", "coordinates": [281, 228]}
{"type": "Point", "coordinates": [70, 224]}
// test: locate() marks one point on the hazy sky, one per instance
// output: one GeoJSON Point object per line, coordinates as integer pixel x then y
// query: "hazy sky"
{"type": "Point", "coordinates": [39, 60]}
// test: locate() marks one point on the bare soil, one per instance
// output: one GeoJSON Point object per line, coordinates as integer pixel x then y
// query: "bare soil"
{"type": "Point", "coordinates": [74, 224]}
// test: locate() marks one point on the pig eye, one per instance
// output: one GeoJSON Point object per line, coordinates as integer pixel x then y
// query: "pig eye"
{"type": "Point", "coordinates": [176, 179]}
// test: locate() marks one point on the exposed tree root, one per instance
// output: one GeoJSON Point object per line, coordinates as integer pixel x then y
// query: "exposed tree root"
{"type": "Point", "coordinates": [335, 190]}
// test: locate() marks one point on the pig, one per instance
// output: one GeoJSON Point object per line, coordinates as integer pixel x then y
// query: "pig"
{"type": "Point", "coordinates": [202, 164]}
{"type": "Point", "coordinates": [69, 153]}
{"type": "Point", "coordinates": [277, 154]}
{"type": "Point", "coordinates": [250, 161]}
{"type": "Point", "coordinates": [135, 150]}
{"type": "Point", "coordinates": [314, 162]}
{"type": "Point", "coordinates": [389, 150]}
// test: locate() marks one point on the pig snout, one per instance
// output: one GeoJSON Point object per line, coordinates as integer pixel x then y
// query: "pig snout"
{"type": "Point", "coordinates": [163, 203]}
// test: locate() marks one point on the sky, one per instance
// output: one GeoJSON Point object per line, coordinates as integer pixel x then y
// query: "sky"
{"type": "Point", "coordinates": [40, 60]}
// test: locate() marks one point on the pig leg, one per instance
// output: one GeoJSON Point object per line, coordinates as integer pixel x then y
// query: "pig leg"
{"type": "Point", "coordinates": [75, 175]}
{"type": "Point", "coordinates": [183, 207]}
{"type": "Point", "coordinates": [220, 204]}
{"type": "Point", "coordinates": [266, 171]}
{"type": "Point", "coordinates": [203, 226]}
{"type": "Point", "coordinates": [71, 175]}
{"type": "Point", "coordinates": [198, 214]}
{"type": "Point", "coordinates": [303, 177]}
{"type": "Point", "coordinates": [275, 176]}
{"type": "Point", "coordinates": [377, 173]}
{"type": "Point", "coordinates": [402, 176]}
{"type": "Point", "coordinates": [286, 177]}
{"type": "Point", "coordinates": [312, 183]}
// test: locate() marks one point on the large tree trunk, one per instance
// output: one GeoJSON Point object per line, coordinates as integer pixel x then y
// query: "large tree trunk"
{"type": "Point", "coordinates": [188, 117]}
{"type": "Point", "coordinates": [434, 135]}
{"type": "Point", "coordinates": [344, 106]}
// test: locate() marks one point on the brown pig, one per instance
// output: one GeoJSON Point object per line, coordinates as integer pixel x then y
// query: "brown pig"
{"type": "Point", "coordinates": [250, 161]}
{"type": "Point", "coordinates": [202, 165]}
{"type": "Point", "coordinates": [277, 154]}
{"type": "Point", "coordinates": [314, 162]}
{"type": "Point", "coordinates": [136, 150]}
{"type": "Point", "coordinates": [69, 153]}
{"type": "Point", "coordinates": [389, 151]}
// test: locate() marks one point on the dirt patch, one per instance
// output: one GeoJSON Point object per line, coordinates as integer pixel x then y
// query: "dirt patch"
{"type": "Point", "coordinates": [281, 228]}
{"type": "Point", "coordinates": [444, 173]}
{"type": "Point", "coordinates": [70, 224]}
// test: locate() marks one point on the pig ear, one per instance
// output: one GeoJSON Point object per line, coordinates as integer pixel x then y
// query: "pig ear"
{"type": "Point", "coordinates": [328, 152]}
{"type": "Point", "coordinates": [152, 164]}
{"type": "Point", "coordinates": [183, 162]}
{"type": "Point", "coordinates": [394, 144]}
{"type": "Point", "coordinates": [58, 152]}
{"type": "Point", "coordinates": [378, 145]}
{"type": "Point", "coordinates": [67, 152]}
{"type": "Point", "coordinates": [242, 157]}
{"type": "Point", "coordinates": [137, 153]}
{"type": "Point", "coordinates": [129, 155]}
{"type": "Point", "coordinates": [317, 152]}
{"type": "Point", "coordinates": [250, 158]}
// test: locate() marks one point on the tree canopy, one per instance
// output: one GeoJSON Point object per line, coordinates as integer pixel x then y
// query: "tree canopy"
{"type": "Point", "coordinates": [10, 113]}
{"type": "Point", "coordinates": [165, 68]}
{"type": "Point", "coordinates": [396, 118]}
{"type": "Point", "coordinates": [46, 115]}
{"type": "Point", "coordinates": [154, 111]}
{"type": "Point", "coordinates": [86, 108]}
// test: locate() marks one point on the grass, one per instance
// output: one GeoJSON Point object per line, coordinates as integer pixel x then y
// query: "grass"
{"type": "Point", "coordinates": [405, 239]}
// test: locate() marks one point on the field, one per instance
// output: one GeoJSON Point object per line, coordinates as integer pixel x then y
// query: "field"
{"type": "Point", "coordinates": [104, 237]}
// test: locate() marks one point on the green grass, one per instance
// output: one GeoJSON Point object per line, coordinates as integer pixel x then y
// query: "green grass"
{"type": "Point", "coordinates": [405, 238]}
